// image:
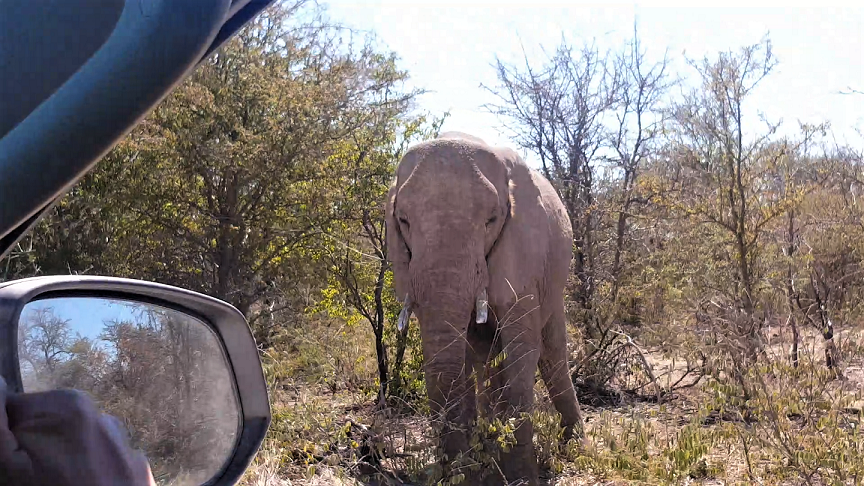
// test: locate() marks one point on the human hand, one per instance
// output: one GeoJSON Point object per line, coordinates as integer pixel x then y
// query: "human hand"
{"type": "Point", "coordinates": [60, 438]}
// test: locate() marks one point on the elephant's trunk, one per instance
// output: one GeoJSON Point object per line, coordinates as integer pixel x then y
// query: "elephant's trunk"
{"type": "Point", "coordinates": [445, 292]}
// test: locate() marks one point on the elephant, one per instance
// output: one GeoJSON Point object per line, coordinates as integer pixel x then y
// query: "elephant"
{"type": "Point", "coordinates": [480, 246]}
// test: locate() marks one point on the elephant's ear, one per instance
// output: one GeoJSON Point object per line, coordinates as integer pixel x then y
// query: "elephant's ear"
{"type": "Point", "coordinates": [397, 250]}
{"type": "Point", "coordinates": [521, 188]}
{"type": "Point", "coordinates": [518, 256]}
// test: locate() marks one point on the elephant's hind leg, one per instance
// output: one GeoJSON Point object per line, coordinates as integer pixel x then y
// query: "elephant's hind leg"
{"type": "Point", "coordinates": [555, 370]}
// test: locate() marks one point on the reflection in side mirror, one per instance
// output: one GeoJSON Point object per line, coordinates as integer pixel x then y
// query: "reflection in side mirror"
{"type": "Point", "coordinates": [162, 372]}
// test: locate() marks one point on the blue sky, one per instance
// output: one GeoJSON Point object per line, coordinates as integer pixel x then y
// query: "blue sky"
{"type": "Point", "coordinates": [87, 315]}
{"type": "Point", "coordinates": [449, 46]}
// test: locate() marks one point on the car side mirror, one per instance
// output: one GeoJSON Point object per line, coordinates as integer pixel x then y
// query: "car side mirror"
{"type": "Point", "coordinates": [179, 368]}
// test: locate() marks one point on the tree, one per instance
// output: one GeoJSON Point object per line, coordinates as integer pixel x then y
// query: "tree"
{"type": "Point", "coordinates": [557, 112]}
{"type": "Point", "coordinates": [44, 340]}
{"type": "Point", "coordinates": [734, 182]}
{"type": "Point", "coordinates": [592, 119]}
{"type": "Point", "coordinates": [824, 254]}
{"type": "Point", "coordinates": [357, 253]}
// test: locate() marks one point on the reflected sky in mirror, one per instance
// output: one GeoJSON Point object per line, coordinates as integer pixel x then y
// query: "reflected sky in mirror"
{"type": "Point", "coordinates": [87, 317]}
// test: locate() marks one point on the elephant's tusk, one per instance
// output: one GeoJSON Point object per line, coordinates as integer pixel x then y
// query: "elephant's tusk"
{"type": "Point", "coordinates": [404, 315]}
{"type": "Point", "coordinates": [482, 307]}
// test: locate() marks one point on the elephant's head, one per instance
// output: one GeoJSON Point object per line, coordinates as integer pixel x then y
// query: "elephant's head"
{"type": "Point", "coordinates": [448, 206]}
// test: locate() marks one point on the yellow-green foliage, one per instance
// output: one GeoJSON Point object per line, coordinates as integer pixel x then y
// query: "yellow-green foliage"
{"type": "Point", "coordinates": [636, 448]}
{"type": "Point", "coordinates": [323, 351]}
{"type": "Point", "coordinates": [305, 435]}
{"type": "Point", "coordinates": [804, 421]}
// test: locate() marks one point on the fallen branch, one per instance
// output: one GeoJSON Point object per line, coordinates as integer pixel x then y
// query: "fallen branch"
{"type": "Point", "coordinates": [649, 370]}
{"type": "Point", "coordinates": [628, 342]}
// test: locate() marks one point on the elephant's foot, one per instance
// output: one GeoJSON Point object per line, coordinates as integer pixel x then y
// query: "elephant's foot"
{"type": "Point", "coordinates": [493, 479]}
{"type": "Point", "coordinates": [472, 476]}
{"type": "Point", "coordinates": [569, 432]}
{"type": "Point", "coordinates": [519, 465]}
{"type": "Point", "coordinates": [457, 461]}
{"type": "Point", "coordinates": [573, 431]}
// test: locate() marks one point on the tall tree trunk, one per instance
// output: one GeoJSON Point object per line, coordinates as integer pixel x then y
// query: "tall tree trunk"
{"type": "Point", "coordinates": [790, 289]}
{"type": "Point", "coordinates": [832, 355]}
{"type": "Point", "coordinates": [796, 338]}
{"type": "Point", "coordinates": [378, 327]}
{"type": "Point", "coordinates": [401, 344]}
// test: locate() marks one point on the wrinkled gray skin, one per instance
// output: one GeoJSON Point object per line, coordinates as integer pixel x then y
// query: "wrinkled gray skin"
{"type": "Point", "coordinates": [462, 217]}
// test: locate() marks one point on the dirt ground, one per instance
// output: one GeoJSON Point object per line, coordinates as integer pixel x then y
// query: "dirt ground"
{"type": "Point", "coordinates": [404, 433]}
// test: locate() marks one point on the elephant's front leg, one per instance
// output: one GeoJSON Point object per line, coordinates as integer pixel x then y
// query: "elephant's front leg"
{"type": "Point", "coordinates": [450, 400]}
{"type": "Point", "coordinates": [521, 342]}
{"type": "Point", "coordinates": [489, 388]}
{"type": "Point", "coordinates": [480, 340]}
{"type": "Point", "coordinates": [451, 391]}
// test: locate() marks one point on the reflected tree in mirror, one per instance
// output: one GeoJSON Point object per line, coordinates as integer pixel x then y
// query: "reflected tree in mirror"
{"type": "Point", "coordinates": [162, 372]}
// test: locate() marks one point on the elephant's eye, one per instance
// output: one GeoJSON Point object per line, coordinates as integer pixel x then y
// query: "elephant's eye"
{"type": "Point", "coordinates": [405, 222]}
{"type": "Point", "coordinates": [492, 220]}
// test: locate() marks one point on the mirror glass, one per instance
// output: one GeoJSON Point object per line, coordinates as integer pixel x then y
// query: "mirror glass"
{"type": "Point", "coordinates": [162, 372]}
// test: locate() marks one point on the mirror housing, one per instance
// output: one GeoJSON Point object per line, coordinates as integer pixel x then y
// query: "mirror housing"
{"type": "Point", "coordinates": [225, 321]}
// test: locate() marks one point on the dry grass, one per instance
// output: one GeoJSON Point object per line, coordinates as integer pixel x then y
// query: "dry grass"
{"type": "Point", "coordinates": [635, 441]}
